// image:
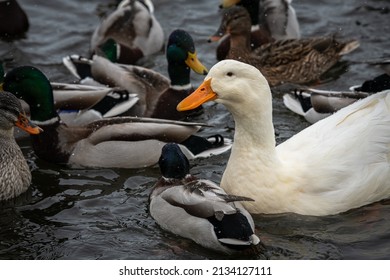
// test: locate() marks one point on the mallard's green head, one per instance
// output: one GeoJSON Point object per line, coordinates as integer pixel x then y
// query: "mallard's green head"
{"type": "Point", "coordinates": [173, 163]}
{"type": "Point", "coordinates": [181, 56]}
{"type": "Point", "coordinates": [31, 85]}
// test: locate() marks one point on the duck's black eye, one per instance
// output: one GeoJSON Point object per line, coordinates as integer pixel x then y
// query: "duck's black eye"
{"type": "Point", "coordinates": [229, 74]}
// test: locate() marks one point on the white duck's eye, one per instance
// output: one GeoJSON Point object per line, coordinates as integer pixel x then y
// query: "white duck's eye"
{"type": "Point", "coordinates": [229, 74]}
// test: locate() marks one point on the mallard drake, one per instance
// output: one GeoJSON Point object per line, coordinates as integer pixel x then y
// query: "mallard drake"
{"type": "Point", "coordinates": [271, 20]}
{"type": "Point", "coordinates": [80, 104]}
{"type": "Point", "coordinates": [199, 209]}
{"type": "Point", "coordinates": [111, 142]}
{"type": "Point", "coordinates": [15, 175]}
{"type": "Point", "coordinates": [128, 33]}
{"type": "Point", "coordinates": [314, 104]}
{"type": "Point", "coordinates": [299, 61]}
{"type": "Point", "coordinates": [14, 19]}
{"type": "Point", "coordinates": [158, 95]}
{"type": "Point", "coordinates": [334, 165]}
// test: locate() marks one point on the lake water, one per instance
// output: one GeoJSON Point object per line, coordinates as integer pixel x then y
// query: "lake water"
{"type": "Point", "coordinates": [103, 213]}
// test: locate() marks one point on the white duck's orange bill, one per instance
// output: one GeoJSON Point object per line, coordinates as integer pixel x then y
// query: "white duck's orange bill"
{"type": "Point", "coordinates": [201, 95]}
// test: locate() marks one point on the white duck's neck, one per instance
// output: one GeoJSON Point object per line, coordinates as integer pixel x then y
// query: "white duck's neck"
{"type": "Point", "coordinates": [253, 154]}
{"type": "Point", "coordinates": [254, 127]}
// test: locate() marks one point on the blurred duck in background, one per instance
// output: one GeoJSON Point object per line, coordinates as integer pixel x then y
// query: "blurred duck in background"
{"type": "Point", "coordinates": [270, 20]}
{"type": "Point", "coordinates": [297, 61]}
{"type": "Point", "coordinates": [14, 21]}
{"type": "Point", "coordinates": [129, 33]}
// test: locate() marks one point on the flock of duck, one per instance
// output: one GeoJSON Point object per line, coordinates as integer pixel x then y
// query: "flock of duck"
{"type": "Point", "coordinates": [123, 110]}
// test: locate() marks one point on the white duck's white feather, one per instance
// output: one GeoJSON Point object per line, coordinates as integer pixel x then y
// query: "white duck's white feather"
{"type": "Point", "coordinates": [339, 163]}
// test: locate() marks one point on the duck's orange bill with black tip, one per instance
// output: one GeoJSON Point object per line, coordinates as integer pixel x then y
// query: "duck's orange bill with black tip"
{"type": "Point", "coordinates": [24, 123]}
{"type": "Point", "coordinates": [201, 95]}
{"type": "Point", "coordinates": [193, 62]}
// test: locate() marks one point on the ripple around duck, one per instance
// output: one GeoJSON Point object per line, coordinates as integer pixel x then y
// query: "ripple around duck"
{"type": "Point", "coordinates": [71, 213]}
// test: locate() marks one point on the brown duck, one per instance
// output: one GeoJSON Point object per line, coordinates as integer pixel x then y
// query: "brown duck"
{"type": "Point", "coordinates": [15, 175]}
{"type": "Point", "coordinates": [298, 61]}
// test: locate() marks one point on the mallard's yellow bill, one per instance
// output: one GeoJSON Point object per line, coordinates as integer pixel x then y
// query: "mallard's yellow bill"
{"type": "Point", "coordinates": [193, 62]}
{"type": "Point", "coordinates": [201, 95]}
{"type": "Point", "coordinates": [24, 123]}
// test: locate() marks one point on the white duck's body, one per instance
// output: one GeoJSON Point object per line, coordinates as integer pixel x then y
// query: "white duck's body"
{"type": "Point", "coordinates": [339, 163]}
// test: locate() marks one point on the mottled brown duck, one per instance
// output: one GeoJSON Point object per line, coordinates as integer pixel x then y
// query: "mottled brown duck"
{"type": "Point", "coordinates": [15, 175]}
{"type": "Point", "coordinates": [298, 61]}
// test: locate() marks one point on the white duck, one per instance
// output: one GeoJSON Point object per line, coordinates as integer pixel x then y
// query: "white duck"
{"type": "Point", "coordinates": [199, 209]}
{"type": "Point", "coordinates": [337, 164]}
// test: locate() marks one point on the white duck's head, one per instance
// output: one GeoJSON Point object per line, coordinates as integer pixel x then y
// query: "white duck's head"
{"type": "Point", "coordinates": [239, 86]}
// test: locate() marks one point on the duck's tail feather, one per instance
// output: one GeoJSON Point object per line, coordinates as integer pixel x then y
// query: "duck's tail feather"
{"type": "Point", "coordinates": [234, 231]}
{"type": "Point", "coordinates": [78, 66]}
{"type": "Point", "coordinates": [297, 102]}
{"type": "Point", "coordinates": [198, 144]}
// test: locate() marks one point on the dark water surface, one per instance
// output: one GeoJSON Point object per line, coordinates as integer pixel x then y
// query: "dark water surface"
{"type": "Point", "coordinates": [102, 213]}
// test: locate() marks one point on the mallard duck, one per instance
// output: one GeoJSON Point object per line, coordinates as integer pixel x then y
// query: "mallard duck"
{"type": "Point", "coordinates": [15, 175]}
{"type": "Point", "coordinates": [314, 104]}
{"type": "Point", "coordinates": [111, 142]}
{"type": "Point", "coordinates": [158, 95]}
{"type": "Point", "coordinates": [128, 33]}
{"type": "Point", "coordinates": [334, 165]}
{"type": "Point", "coordinates": [299, 61]}
{"type": "Point", "coordinates": [14, 19]}
{"type": "Point", "coordinates": [79, 104]}
{"type": "Point", "coordinates": [199, 209]}
{"type": "Point", "coordinates": [277, 17]}
{"type": "Point", "coordinates": [271, 20]}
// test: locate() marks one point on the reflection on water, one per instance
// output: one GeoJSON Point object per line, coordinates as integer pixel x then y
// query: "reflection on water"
{"type": "Point", "coordinates": [103, 213]}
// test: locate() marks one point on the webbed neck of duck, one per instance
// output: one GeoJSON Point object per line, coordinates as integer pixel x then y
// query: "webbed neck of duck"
{"type": "Point", "coordinates": [179, 74]}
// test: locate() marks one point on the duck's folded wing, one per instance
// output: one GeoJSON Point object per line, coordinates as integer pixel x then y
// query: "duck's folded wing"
{"type": "Point", "coordinates": [138, 131]}
{"type": "Point", "coordinates": [202, 198]}
{"type": "Point", "coordinates": [133, 78]}
{"type": "Point", "coordinates": [76, 96]}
